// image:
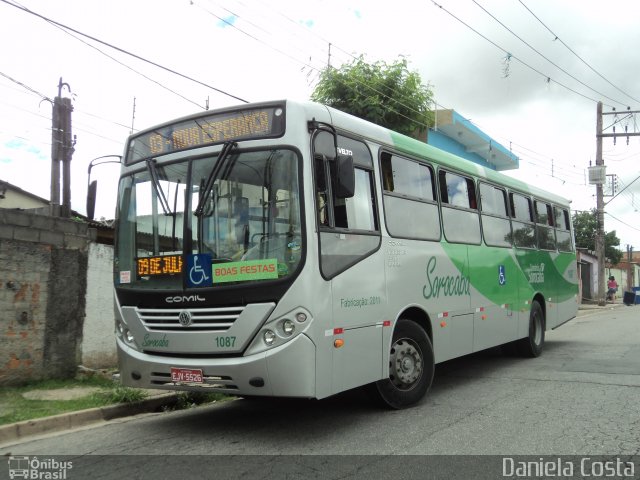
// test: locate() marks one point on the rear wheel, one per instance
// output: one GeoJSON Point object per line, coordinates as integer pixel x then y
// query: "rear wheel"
{"type": "Point", "coordinates": [531, 346]}
{"type": "Point", "coordinates": [411, 367]}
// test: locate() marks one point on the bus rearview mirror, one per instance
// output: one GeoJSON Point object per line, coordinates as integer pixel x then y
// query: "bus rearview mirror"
{"type": "Point", "coordinates": [324, 145]}
{"type": "Point", "coordinates": [345, 179]}
{"type": "Point", "coordinates": [91, 199]}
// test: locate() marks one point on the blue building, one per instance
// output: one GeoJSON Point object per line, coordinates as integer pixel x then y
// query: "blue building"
{"type": "Point", "coordinates": [453, 133]}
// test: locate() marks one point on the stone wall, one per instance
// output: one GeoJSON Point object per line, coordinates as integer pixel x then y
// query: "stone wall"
{"type": "Point", "coordinates": [43, 283]}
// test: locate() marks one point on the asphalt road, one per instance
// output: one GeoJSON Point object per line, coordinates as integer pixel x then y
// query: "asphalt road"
{"type": "Point", "coordinates": [579, 398]}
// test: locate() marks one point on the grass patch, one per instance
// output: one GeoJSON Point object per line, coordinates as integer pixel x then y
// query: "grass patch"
{"type": "Point", "coordinates": [121, 394]}
{"type": "Point", "coordinates": [14, 407]}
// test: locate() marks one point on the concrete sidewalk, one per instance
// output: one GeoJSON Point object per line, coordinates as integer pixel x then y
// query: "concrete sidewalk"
{"type": "Point", "coordinates": [594, 306]}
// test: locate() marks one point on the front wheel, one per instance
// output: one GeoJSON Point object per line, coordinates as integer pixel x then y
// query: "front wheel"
{"type": "Point", "coordinates": [531, 346]}
{"type": "Point", "coordinates": [411, 367]}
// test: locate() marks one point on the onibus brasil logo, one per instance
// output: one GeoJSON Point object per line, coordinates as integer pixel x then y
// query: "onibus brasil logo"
{"type": "Point", "coordinates": [40, 469]}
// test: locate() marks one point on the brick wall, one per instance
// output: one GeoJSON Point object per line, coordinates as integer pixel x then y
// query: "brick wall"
{"type": "Point", "coordinates": [43, 283]}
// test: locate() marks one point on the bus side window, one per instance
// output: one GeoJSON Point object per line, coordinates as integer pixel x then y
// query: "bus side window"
{"type": "Point", "coordinates": [544, 226]}
{"type": "Point", "coordinates": [495, 220]}
{"type": "Point", "coordinates": [524, 233]}
{"type": "Point", "coordinates": [410, 201]}
{"type": "Point", "coordinates": [457, 191]}
{"type": "Point", "coordinates": [459, 208]}
{"type": "Point", "coordinates": [563, 230]}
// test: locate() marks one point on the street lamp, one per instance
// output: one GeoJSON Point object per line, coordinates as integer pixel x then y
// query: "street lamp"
{"type": "Point", "coordinates": [92, 187]}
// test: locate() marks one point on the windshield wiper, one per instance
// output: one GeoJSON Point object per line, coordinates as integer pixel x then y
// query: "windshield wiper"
{"type": "Point", "coordinates": [155, 181]}
{"type": "Point", "coordinates": [215, 172]}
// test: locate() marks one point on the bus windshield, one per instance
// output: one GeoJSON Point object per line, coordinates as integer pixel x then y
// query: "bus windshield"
{"type": "Point", "coordinates": [246, 228]}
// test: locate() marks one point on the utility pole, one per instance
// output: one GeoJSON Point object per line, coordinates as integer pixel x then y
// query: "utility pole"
{"type": "Point", "coordinates": [598, 178]}
{"type": "Point", "coordinates": [62, 144]}
{"type": "Point", "coordinates": [56, 152]}
{"type": "Point", "coordinates": [629, 268]}
{"type": "Point", "coordinates": [67, 154]}
{"type": "Point", "coordinates": [600, 206]}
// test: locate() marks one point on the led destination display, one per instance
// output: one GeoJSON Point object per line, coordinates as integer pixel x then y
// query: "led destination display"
{"type": "Point", "coordinates": [154, 266]}
{"type": "Point", "coordinates": [207, 130]}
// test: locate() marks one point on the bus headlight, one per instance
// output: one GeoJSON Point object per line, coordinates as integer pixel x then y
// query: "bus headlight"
{"type": "Point", "coordinates": [119, 328]}
{"type": "Point", "coordinates": [129, 336]}
{"type": "Point", "coordinates": [288, 327]}
{"type": "Point", "coordinates": [269, 337]}
{"type": "Point", "coordinates": [280, 330]}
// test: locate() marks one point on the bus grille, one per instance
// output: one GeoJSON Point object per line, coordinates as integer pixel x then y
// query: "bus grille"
{"type": "Point", "coordinates": [202, 319]}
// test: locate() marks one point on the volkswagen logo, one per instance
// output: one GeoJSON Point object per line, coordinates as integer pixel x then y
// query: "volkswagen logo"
{"type": "Point", "coordinates": [185, 318]}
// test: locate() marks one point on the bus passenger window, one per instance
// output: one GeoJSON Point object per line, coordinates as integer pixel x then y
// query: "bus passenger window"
{"type": "Point", "coordinates": [524, 233]}
{"type": "Point", "coordinates": [409, 194]}
{"type": "Point", "coordinates": [460, 217]}
{"type": "Point", "coordinates": [457, 191]}
{"type": "Point", "coordinates": [563, 230]}
{"type": "Point", "coordinates": [495, 221]}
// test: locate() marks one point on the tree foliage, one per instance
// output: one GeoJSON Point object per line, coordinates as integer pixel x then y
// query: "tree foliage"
{"type": "Point", "coordinates": [387, 94]}
{"type": "Point", "coordinates": [585, 226]}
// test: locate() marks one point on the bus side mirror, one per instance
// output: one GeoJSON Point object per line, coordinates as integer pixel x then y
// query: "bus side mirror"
{"type": "Point", "coordinates": [91, 199]}
{"type": "Point", "coordinates": [324, 145]}
{"type": "Point", "coordinates": [345, 177]}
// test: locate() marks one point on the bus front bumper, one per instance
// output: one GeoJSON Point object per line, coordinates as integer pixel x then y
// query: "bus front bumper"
{"type": "Point", "coordinates": [285, 371]}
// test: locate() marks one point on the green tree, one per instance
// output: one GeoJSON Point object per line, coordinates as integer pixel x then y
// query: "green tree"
{"type": "Point", "coordinates": [585, 225]}
{"type": "Point", "coordinates": [387, 94]}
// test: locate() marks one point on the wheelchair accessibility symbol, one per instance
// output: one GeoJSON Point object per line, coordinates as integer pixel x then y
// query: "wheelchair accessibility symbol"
{"type": "Point", "coordinates": [502, 279]}
{"type": "Point", "coordinates": [199, 267]}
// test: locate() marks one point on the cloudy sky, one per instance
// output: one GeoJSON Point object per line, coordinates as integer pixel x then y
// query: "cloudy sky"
{"type": "Point", "coordinates": [528, 73]}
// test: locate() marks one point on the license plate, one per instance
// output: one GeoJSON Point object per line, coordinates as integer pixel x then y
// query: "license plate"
{"type": "Point", "coordinates": [186, 375]}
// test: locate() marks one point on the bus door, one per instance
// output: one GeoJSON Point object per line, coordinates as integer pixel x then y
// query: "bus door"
{"type": "Point", "coordinates": [349, 237]}
{"type": "Point", "coordinates": [358, 333]}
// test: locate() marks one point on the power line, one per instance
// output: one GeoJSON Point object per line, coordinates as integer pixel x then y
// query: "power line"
{"type": "Point", "coordinates": [44, 97]}
{"type": "Point", "coordinates": [623, 223]}
{"type": "Point", "coordinates": [556, 37]}
{"type": "Point", "coordinates": [126, 66]}
{"type": "Point", "coordinates": [511, 56]}
{"type": "Point", "coordinates": [118, 124]}
{"type": "Point", "coordinates": [543, 56]}
{"type": "Point", "coordinates": [30, 140]}
{"type": "Point", "coordinates": [319, 70]}
{"type": "Point", "coordinates": [27, 111]}
{"type": "Point", "coordinates": [126, 52]}
{"type": "Point", "coordinates": [364, 84]}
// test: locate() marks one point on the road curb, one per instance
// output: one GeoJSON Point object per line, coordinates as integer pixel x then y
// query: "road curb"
{"type": "Point", "coordinates": [69, 420]}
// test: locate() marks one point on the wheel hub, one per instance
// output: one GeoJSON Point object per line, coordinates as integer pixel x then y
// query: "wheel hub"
{"type": "Point", "coordinates": [405, 365]}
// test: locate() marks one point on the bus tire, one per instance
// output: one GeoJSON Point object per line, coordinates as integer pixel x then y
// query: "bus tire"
{"type": "Point", "coordinates": [411, 367]}
{"type": "Point", "coordinates": [531, 346]}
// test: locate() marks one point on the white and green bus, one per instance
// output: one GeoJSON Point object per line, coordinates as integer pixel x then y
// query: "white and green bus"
{"type": "Point", "coordinates": [289, 249]}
